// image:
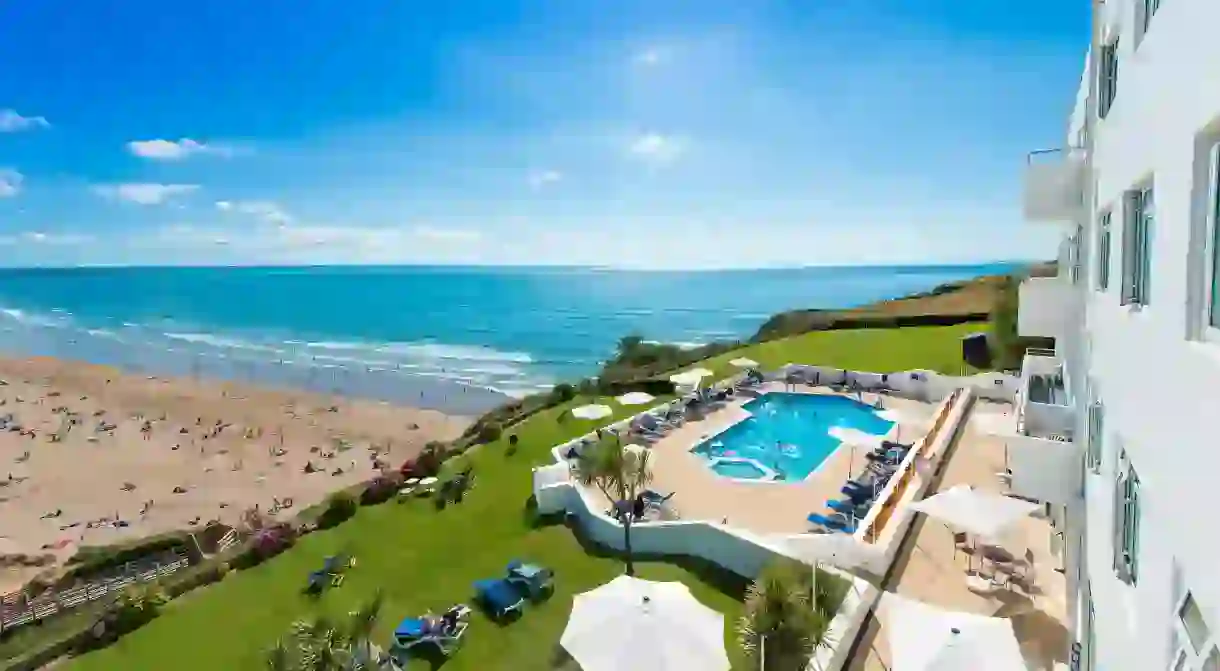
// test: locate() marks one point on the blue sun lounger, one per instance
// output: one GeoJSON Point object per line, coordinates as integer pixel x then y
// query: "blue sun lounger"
{"type": "Point", "coordinates": [832, 523]}
{"type": "Point", "coordinates": [444, 632]}
{"type": "Point", "coordinates": [499, 596]}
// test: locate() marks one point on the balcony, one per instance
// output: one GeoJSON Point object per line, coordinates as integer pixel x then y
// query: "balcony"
{"type": "Point", "coordinates": [1047, 307]}
{"type": "Point", "coordinates": [1044, 460]}
{"type": "Point", "coordinates": [1054, 185]}
{"type": "Point", "coordinates": [1044, 402]}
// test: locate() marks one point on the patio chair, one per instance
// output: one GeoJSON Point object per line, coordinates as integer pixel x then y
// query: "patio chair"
{"type": "Point", "coordinates": [499, 597]}
{"type": "Point", "coordinates": [444, 632]}
{"type": "Point", "coordinates": [961, 545]}
{"type": "Point", "coordinates": [536, 581]}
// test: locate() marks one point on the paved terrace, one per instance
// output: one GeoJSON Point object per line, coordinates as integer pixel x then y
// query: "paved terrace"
{"type": "Point", "coordinates": [762, 507]}
{"type": "Point", "coordinates": [927, 570]}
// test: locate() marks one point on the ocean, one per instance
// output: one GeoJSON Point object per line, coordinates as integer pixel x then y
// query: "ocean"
{"type": "Point", "coordinates": [458, 339]}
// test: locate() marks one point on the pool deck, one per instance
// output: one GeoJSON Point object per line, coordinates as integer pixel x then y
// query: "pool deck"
{"type": "Point", "coordinates": [928, 569]}
{"type": "Point", "coordinates": [762, 507]}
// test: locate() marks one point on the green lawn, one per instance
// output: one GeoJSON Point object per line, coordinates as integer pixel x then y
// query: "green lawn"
{"type": "Point", "coordinates": [937, 348]}
{"type": "Point", "coordinates": [426, 559]}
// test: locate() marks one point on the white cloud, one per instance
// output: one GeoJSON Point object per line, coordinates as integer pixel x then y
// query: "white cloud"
{"type": "Point", "coordinates": [656, 149]}
{"type": "Point", "coordinates": [651, 56]}
{"type": "Point", "coordinates": [541, 178]}
{"type": "Point", "coordinates": [144, 193]}
{"type": "Point", "coordinates": [175, 150]}
{"type": "Point", "coordinates": [40, 238]}
{"type": "Point", "coordinates": [12, 122]}
{"type": "Point", "coordinates": [266, 211]}
{"type": "Point", "coordinates": [446, 234]}
{"type": "Point", "coordinates": [10, 182]}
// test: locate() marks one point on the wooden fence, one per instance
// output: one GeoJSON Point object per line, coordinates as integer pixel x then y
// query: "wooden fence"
{"type": "Point", "coordinates": [15, 610]}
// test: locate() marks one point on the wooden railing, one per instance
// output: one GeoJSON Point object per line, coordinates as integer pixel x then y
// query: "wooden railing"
{"type": "Point", "coordinates": [15, 610]}
{"type": "Point", "coordinates": [907, 473]}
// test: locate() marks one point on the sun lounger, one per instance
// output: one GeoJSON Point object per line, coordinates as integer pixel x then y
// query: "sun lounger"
{"type": "Point", "coordinates": [500, 597]}
{"type": "Point", "coordinates": [834, 523]}
{"type": "Point", "coordinates": [536, 581]}
{"type": "Point", "coordinates": [444, 632]}
{"type": "Point", "coordinates": [850, 507]}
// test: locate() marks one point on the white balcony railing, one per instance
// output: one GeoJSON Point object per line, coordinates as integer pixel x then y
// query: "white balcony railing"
{"type": "Point", "coordinates": [1047, 307]}
{"type": "Point", "coordinates": [1044, 406]}
{"type": "Point", "coordinates": [1054, 185]}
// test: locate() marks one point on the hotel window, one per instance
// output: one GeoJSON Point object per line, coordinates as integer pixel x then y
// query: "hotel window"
{"type": "Point", "coordinates": [1212, 247]}
{"type": "Point", "coordinates": [1103, 252]}
{"type": "Point", "coordinates": [1074, 255]}
{"type": "Point", "coordinates": [1138, 219]}
{"type": "Point", "coordinates": [1096, 436]}
{"type": "Point", "coordinates": [1195, 647]}
{"type": "Point", "coordinates": [1107, 75]}
{"type": "Point", "coordinates": [1147, 11]}
{"type": "Point", "coordinates": [1126, 521]}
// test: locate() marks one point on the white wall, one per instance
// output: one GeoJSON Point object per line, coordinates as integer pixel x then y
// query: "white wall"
{"type": "Point", "coordinates": [1045, 307]}
{"type": "Point", "coordinates": [1161, 390]}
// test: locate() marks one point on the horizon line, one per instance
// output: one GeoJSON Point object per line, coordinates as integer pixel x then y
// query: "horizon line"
{"type": "Point", "coordinates": [499, 266]}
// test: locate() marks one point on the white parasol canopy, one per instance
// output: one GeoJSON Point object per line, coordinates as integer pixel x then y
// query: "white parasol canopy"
{"type": "Point", "coordinates": [635, 398]}
{"type": "Point", "coordinates": [743, 362]}
{"type": "Point", "coordinates": [629, 624]}
{"type": "Point", "coordinates": [689, 378]}
{"type": "Point", "coordinates": [855, 436]}
{"type": "Point", "coordinates": [982, 513]}
{"type": "Point", "coordinates": [926, 638]}
{"type": "Point", "coordinates": [592, 411]}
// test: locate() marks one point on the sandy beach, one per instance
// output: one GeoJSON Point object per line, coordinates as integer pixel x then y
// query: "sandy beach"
{"type": "Point", "coordinates": [90, 456]}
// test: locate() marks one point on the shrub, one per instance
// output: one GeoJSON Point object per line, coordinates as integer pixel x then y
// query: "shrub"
{"type": "Point", "coordinates": [340, 507]}
{"type": "Point", "coordinates": [428, 464]}
{"type": "Point", "coordinates": [381, 488]}
{"type": "Point", "coordinates": [96, 559]}
{"type": "Point", "coordinates": [222, 570]}
{"type": "Point", "coordinates": [137, 605]}
{"type": "Point", "coordinates": [512, 444]}
{"type": "Point", "coordinates": [562, 393]}
{"type": "Point", "coordinates": [490, 432]}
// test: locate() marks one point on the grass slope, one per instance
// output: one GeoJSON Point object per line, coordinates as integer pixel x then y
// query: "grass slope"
{"type": "Point", "coordinates": [426, 559]}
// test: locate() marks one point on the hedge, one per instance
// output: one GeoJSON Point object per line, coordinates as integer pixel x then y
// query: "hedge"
{"type": "Point", "coordinates": [95, 559]}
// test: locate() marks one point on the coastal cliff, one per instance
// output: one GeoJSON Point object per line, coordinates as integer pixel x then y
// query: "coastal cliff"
{"type": "Point", "coordinates": [971, 300]}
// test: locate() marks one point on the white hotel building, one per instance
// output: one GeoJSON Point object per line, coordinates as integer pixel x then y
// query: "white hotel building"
{"type": "Point", "coordinates": [1134, 382]}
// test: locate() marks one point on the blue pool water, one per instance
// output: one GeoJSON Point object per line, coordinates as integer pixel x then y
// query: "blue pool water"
{"type": "Point", "coordinates": [787, 434]}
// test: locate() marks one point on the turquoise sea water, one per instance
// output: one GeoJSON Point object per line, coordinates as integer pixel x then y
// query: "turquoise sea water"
{"type": "Point", "coordinates": [453, 338]}
{"type": "Point", "coordinates": [789, 433]}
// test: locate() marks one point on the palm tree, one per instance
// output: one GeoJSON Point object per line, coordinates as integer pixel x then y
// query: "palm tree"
{"type": "Point", "coordinates": [278, 657]}
{"type": "Point", "coordinates": [321, 645]}
{"type": "Point", "coordinates": [360, 625]}
{"type": "Point", "coordinates": [621, 474]}
{"type": "Point", "coordinates": [785, 620]}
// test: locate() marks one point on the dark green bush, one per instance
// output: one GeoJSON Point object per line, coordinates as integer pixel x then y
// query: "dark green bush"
{"type": "Point", "coordinates": [340, 507]}
{"type": "Point", "coordinates": [89, 560]}
{"type": "Point", "coordinates": [490, 432]}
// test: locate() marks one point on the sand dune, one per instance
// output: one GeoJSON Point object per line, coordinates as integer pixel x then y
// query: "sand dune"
{"type": "Point", "coordinates": [89, 456]}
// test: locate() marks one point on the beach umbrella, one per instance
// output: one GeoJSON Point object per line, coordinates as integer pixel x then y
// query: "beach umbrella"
{"type": "Point", "coordinates": [630, 624]}
{"type": "Point", "coordinates": [591, 411]}
{"type": "Point", "coordinates": [853, 438]}
{"type": "Point", "coordinates": [981, 513]}
{"type": "Point", "coordinates": [743, 363]}
{"type": "Point", "coordinates": [926, 638]}
{"type": "Point", "coordinates": [690, 378]}
{"type": "Point", "coordinates": [635, 398]}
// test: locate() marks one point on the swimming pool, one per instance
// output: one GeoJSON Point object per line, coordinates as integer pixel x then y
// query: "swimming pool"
{"type": "Point", "coordinates": [787, 436]}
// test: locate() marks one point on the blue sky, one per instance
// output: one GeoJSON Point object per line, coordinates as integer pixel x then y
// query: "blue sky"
{"type": "Point", "coordinates": [683, 133]}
